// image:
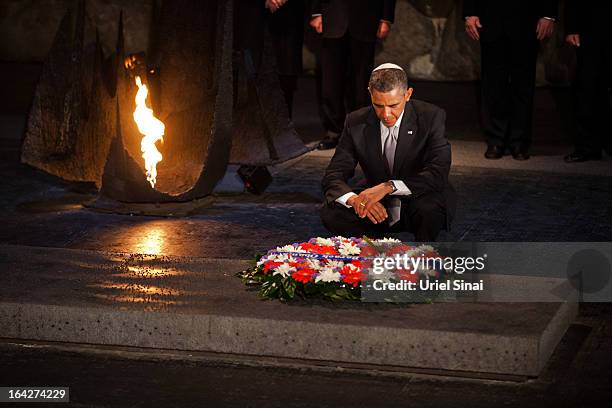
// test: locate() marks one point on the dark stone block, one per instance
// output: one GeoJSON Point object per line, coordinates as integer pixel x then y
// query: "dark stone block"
{"type": "Point", "coordinates": [71, 121]}
{"type": "Point", "coordinates": [84, 103]}
{"type": "Point", "coordinates": [193, 91]}
{"type": "Point", "coordinates": [262, 132]}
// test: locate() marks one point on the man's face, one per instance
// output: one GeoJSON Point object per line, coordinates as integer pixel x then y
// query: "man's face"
{"type": "Point", "coordinates": [389, 105]}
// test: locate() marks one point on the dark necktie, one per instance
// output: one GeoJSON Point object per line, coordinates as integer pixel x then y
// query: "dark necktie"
{"type": "Point", "coordinates": [393, 204]}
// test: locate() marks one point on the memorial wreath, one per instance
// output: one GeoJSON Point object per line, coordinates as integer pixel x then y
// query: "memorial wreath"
{"type": "Point", "coordinates": [332, 268]}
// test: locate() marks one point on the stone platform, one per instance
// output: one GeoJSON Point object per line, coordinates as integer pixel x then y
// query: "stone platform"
{"type": "Point", "coordinates": [198, 304]}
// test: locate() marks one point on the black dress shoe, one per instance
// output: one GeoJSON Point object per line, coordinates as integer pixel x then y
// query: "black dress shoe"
{"type": "Point", "coordinates": [576, 157]}
{"type": "Point", "coordinates": [328, 143]}
{"type": "Point", "coordinates": [494, 152]}
{"type": "Point", "coordinates": [520, 154]}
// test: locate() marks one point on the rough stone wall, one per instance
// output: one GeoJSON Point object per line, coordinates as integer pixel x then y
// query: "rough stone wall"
{"type": "Point", "coordinates": [428, 40]}
{"type": "Point", "coordinates": [27, 27]}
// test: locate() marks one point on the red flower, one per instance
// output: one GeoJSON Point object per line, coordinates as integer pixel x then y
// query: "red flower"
{"type": "Point", "coordinates": [326, 250]}
{"type": "Point", "coordinates": [398, 249]}
{"type": "Point", "coordinates": [303, 275]}
{"type": "Point", "coordinates": [299, 263]}
{"type": "Point", "coordinates": [306, 246]}
{"type": "Point", "coordinates": [270, 265]}
{"type": "Point", "coordinates": [367, 264]}
{"type": "Point", "coordinates": [368, 251]}
{"type": "Point", "coordinates": [406, 275]}
{"type": "Point", "coordinates": [351, 275]}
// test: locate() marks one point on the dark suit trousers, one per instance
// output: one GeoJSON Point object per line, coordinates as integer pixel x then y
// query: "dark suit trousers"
{"type": "Point", "coordinates": [592, 101]}
{"type": "Point", "coordinates": [424, 216]}
{"type": "Point", "coordinates": [346, 64]}
{"type": "Point", "coordinates": [508, 82]}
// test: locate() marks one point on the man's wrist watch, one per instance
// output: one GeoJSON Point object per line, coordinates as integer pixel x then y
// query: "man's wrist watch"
{"type": "Point", "coordinates": [391, 184]}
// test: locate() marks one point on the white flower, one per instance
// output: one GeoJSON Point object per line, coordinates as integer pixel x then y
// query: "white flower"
{"type": "Point", "coordinates": [425, 248]}
{"type": "Point", "coordinates": [324, 241]}
{"type": "Point", "coordinates": [352, 267]}
{"type": "Point", "coordinates": [313, 263]}
{"type": "Point", "coordinates": [284, 270]}
{"type": "Point", "coordinates": [328, 275]}
{"type": "Point", "coordinates": [387, 241]}
{"type": "Point", "coordinates": [290, 248]}
{"type": "Point", "coordinates": [430, 272]}
{"type": "Point", "coordinates": [280, 258]}
{"type": "Point", "coordinates": [349, 248]}
{"type": "Point", "coordinates": [386, 275]}
{"type": "Point", "coordinates": [413, 253]}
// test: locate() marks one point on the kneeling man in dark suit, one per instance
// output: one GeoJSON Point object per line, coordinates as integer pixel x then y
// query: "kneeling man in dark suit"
{"type": "Point", "coordinates": [402, 149]}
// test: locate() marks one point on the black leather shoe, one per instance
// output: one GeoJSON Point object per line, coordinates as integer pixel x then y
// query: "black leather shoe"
{"type": "Point", "coordinates": [494, 152]}
{"type": "Point", "coordinates": [330, 141]}
{"type": "Point", "coordinates": [327, 143]}
{"type": "Point", "coordinates": [520, 154]}
{"type": "Point", "coordinates": [576, 157]}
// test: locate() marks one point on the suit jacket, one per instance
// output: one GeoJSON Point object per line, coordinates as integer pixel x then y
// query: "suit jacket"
{"type": "Point", "coordinates": [286, 27]}
{"type": "Point", "coordinates": [422, 155]}
{"type": "Point", "coordinates": [359, 17]}
{"type": "Point", "coordinates": [515, 18]}
{"type": "Point", "coordinates": [587, 17]}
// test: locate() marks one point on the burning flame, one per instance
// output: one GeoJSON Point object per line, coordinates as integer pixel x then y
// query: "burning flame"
{"type": "Point", "coordinates": [152, 130]}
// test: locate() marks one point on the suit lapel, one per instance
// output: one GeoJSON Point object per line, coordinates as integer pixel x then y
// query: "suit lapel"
{"type": "Point", "coordinates": [406, 138]}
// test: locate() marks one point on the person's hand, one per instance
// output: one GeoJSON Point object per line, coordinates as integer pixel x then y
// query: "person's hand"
{"type": "Point", "coordinates": [368, 198]}
{"type": "Point", "coordinates": [472, 25]}
{"type": "Point", "coordinates": [377, 212]}
{"type": "Point", "coordinates": [383, 29]}
{"type": "Point", "coordinates": [374, 194]}
{"type": "Point", "coordinates": [545, 28]}
{"type": "Point", "coordinates": [573, 39]}
{"type": "Point", "coordinates": [317, 23]}
{"type": "Point", "coordinates": [274, 5]}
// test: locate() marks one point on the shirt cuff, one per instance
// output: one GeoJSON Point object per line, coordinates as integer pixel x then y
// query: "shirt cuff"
{"type": "Point", "coordinates": [549, 18]}
{"type": "Point", "coordinates": [316, 15]}
{"type": "Point", "coordinates": [402, 189]}
{"type": "Point", "coordinates": [344, 198]}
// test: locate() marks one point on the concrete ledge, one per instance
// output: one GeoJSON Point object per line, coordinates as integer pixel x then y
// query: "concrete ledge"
{"type": "Point", "coordinates": [197, 304]}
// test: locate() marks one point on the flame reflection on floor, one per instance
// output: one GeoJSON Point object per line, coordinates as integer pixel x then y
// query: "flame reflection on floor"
{"type": "Point", "coordinates": [151, 243]}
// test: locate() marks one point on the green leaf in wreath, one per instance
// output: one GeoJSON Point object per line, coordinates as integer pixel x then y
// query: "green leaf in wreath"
{"type": "Point", "coordinates": [289, 287]}
{"type": "Point", "coordinates": [371, 243]}
{"type": "Point", "coordinates": [269, 289]}
{"type": "Point", "coordinates": [310, 288]}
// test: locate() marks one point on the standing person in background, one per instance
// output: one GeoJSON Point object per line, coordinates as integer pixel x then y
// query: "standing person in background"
{"type": "Point", "coordinates": [586, 28]}
{"type": "Point", "coordinates": [284, 20]}
{"type": "Point", "coordinates": [286, 24]}
{"type": "Point", "coordinates": [509, 33]}
{"type": "Point", "coordinates": [349, 29]}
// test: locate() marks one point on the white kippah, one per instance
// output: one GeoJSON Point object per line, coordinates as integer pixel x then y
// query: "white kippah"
{"type": "Point", "coordinates": [388, 65]}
